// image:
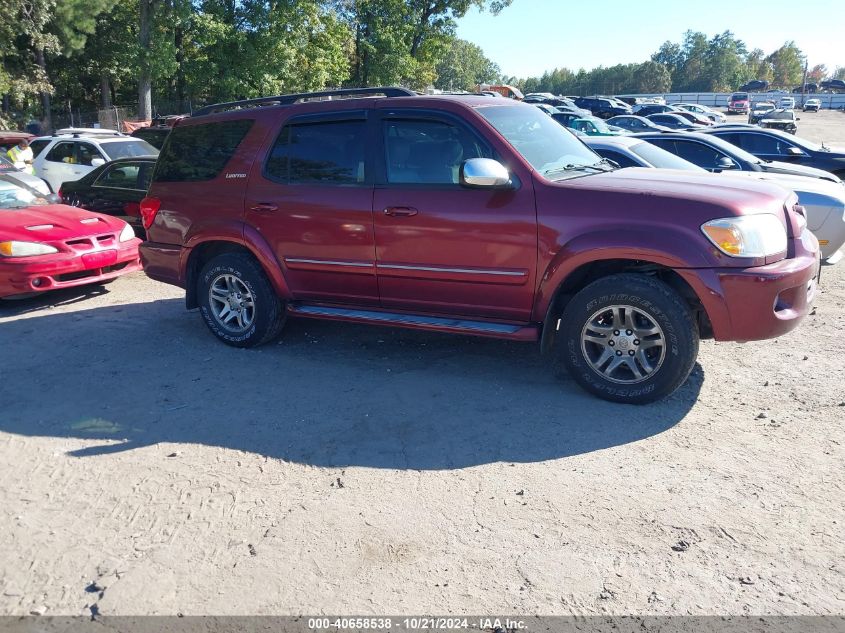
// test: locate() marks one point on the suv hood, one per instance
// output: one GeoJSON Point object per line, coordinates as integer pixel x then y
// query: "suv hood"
{"type": "Point", "coordinates": [737, 194]}
{"type": "Point", "coordinates": [55, 222]}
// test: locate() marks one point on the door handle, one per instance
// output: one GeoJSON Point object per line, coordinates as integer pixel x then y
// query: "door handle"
{"type": "Point", "coordinates": [400, 212]}
{"type": "Point", "coordinates": [264, 207]}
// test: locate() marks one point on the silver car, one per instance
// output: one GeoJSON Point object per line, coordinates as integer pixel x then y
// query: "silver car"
{"type": "Point", "coordinates": [7, 168]}
{"type": "Point", "coordinates": [823, 200]}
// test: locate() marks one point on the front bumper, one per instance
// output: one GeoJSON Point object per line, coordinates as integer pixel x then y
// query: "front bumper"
{"type": "Point", "coordinates": [763, 302]}
{"type": "Point", "coordinates": [26, 275]}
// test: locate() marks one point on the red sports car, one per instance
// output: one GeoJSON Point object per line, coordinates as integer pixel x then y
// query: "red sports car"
{"type": "Point", "coordinates": [44, 246]}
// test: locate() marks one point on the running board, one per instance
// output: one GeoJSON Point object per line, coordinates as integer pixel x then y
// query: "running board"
{"type": "Point", "coordinates": [514, 331]}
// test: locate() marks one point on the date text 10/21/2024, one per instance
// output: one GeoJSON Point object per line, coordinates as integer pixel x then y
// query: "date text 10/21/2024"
{"type": "Point", "coordinates": [424, 623]}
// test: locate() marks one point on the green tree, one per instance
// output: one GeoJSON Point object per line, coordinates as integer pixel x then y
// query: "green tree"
{"type": "Point", "coordinates": [757, 66]}
{"type": "Point", "coordinates": [651, 77]}
{"type": "Point", "coordinates": [787, 65]}
{"type": "Point", "coordinates": [463, 66]}
{"type": "Point", "coordinates": [724, 63]}
{"type": "Point", "coordinates": [402, 41]}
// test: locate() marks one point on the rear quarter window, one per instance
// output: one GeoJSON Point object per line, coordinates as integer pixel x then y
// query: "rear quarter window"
{"type": "Point", "coordinates": [38, 146]}
{"type": "Point", "coordinates": [199, 152]}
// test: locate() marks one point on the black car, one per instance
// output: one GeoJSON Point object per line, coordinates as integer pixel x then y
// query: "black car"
{"type": "Point", "coordinates": [115, 188]}
{"type": "Point", "coordinates": [714, 154]}
{"type": "Point", "coordinates": [673, 121]}
{"type": "Point", "coordinates": [648, 109]}
{"type": "Point", "coordinates": [834, 85]}
{"type": "Point", "coordinates": [780, 120]}
{"type": "Point", "coordinates": [757, 85]}
{"type": "Point", "coordinates": [808, 88]}
{"type": "Point", "coordinates": [154, 135]}
{"type": "Point", "coordinates": [634, 123]}
{"type": "Point", "coordinates": [601, 107]}
{"type": "Point", "coordinates": [774, 145]}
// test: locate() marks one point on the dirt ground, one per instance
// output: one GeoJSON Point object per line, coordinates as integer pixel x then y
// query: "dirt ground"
{"type": "Point", "coordinates": [148, 469]}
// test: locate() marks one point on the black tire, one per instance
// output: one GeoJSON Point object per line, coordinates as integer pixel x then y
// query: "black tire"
{"type": "Point", "coordinates": [268, 310]}
{"type": "Point", "coordinates": [647, 298]}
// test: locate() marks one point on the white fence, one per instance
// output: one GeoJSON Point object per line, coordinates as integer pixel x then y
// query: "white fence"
{"type": "Point", "coordinates": [720, 99]}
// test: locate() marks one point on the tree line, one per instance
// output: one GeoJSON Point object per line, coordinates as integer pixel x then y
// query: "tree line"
{"type": "Point", "coordinates": [184, 53]}
{"type": "Point", "coordinates": [721, 63]}
{"type": "Point", "coordinates": [180, 54]}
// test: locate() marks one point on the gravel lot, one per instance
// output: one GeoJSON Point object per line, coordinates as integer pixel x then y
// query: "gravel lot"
{"type": "Point", "coordinates": [148, 469]}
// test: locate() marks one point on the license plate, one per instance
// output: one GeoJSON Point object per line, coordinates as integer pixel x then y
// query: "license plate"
{"type": "Point", "coordinates": [99, 259]}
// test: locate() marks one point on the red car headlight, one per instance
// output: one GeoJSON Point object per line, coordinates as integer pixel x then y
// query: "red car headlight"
{"type": "Point", "coordinates": [25, 249]}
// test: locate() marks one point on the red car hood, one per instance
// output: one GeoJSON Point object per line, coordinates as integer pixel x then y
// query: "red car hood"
{"type": "Point", "coordinates": [53, 222]}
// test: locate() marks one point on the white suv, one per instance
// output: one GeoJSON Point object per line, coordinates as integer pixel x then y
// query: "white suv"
{"type": "Point", "coordinates": [73, 152]}
{"type": "Point", "coordinates": [787, 103]}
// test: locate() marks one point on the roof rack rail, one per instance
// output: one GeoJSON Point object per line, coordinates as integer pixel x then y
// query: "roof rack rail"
{"type": "Point", "coordinates": [390, 91]}
{"type": "Point", "coordinates": [88, 131]}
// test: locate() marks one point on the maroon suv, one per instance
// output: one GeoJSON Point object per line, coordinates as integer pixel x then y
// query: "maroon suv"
{"type": "Point", "coordinates": [469, 215]}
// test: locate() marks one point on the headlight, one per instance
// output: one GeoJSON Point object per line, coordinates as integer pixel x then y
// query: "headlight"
{"type": "Point", "coordinates": [747, 235]}
{"type": "Point", "coordinates": [25, 249]}
{"type": "Point", "coordinates": [127, 233]}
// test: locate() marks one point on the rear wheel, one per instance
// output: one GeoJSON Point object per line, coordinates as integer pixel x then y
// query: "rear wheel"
{"type": "Point", "coordinates": [628, 338]}
{"type": "Point", "coordinates": [238, 302]}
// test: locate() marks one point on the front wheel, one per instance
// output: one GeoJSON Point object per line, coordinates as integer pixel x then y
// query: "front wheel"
{"type": "Point", "coordinates": [628, 338]}
{"type": "Point", "coordinates": [238, 302]}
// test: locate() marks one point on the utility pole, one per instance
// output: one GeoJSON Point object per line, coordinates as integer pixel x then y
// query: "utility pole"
{"type": "Point", "coordinates": [804, 84]}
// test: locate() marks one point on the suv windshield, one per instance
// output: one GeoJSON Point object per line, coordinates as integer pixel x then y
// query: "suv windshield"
{"type": "Point", "coordinates": [128, 149]}
{"type": "Point", "coordinates": [543, 142]}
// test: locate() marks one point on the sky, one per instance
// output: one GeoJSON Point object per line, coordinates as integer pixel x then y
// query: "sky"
{"type": "Point", "coordinates": [532, 36]}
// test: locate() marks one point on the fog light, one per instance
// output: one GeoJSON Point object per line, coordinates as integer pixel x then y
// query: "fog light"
{"type": "Point", "coordinates": [38, 282]}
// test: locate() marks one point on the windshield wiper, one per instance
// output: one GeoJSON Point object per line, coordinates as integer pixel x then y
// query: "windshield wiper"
{"type": "Point", "coordinates": [599, 166]}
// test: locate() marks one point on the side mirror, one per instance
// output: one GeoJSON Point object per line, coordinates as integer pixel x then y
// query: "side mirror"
{"type": "Point", "coordinates": [97, 162]}
{"type": "Point", "coordinates": [725, 163]}
{"type": "Point", "coordinates": [798, 118]}
{"type": "Point", "coordinates": [484, 172]}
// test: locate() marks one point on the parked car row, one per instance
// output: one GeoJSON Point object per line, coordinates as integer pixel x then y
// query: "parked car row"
{"type": "Point", "coordinates": [45, 242]}
{"type": "Point", "coordinates": [813, 172]}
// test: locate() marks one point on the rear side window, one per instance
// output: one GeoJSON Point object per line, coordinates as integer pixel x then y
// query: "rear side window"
{"type": "Point", "coordinates": [200, 152]}
{"type": "Point", "coordinates": [328, 153]}
{"type": "Point", "coordinates": [38, 146]}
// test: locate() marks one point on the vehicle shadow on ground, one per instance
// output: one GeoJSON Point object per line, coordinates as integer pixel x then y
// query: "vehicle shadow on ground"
{"type": "Point", "coordinates": [17, 306]}
{"type": "Point", "coordinates": [326, 394]}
